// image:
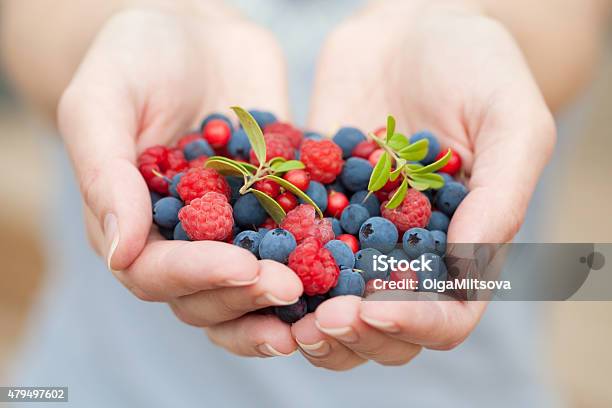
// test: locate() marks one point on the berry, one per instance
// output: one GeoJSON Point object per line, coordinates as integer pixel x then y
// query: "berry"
{"type": "Point", "coordinates": [343, 255]}
{"type": "Point", "coordinates": [313, 136]}
{"type": "Point", "coordinates": [249, 240]}
{"type": "Point", "coordinates": [292, 313]}
{"type": "Point", "coordinates": [413, 212]}
{"type": "Point", "coordinates": [167, 233]}
{"type": "Point", "coordinates": [217, 132]}
{"type": "Point", "coordinates": [267, 225]}
{"type": "Point", "coordinates": [277, 245]}
{"type": "Point", "coordinates": [375, 156]}
{"type": "Point", "coordinates": [353, 217]}
{"type": "Point", "coordinates": [287, 201]}
{"type": "Point", "coordinates": [417, 241]}
{"type": "Point", "coordinates": [371, 203]}
{"type": "Point", "coordinates": [378, 233]}
{"type": "Point", "coordinates": [155, 197]}
{"type": "Point", "coordinates": [199, 181]}
{"type": "Point", "coordinates": [172, 188]}
{"type": "Point", "coordinates": [439, 238]}
{"type": "Point", "coordinates": [248, 212]}
{"type": "Point", "coordinates": [348, 138]}
{"type": "Point", "coordinates": [390, 186]}
{"type": "Point", "coordinates": [454, 163]}
{"type": "Point", "coordinates": [165, 212]}
{"type": "Point", "coordinates": [299, 178]}
{"type": "Point", "coordinates": [215, 116]}
{"type": "Point", "coordinates": [314, 301]}
{"type": "Point", "coordinates": [438, 270]}
{"type": "Point", "coordinates": [154, 160]}
{"type": "Point", "coordinates": [447, 177]}
{"type": "Point", "coordinates": [323, 160]}
{"type": "Point", "coordinates": [235, 184]}
{"type": "Point", "coordinates": [398, 254]}
{"type": "Point", "coordinates": [449, 197]}
{"type": "Point", "coordinates": [315, 266]}
{"type": "Point", "coordinates": [292, 133]}
{"type": "Point", "coordinates": [356, 174]}
{"type": "Point", "coordinates": [239, 146]}
{"type": "Point", "coordinates": [350, 240]}
{"type": "Point", "coordinates": [381, 131]}
{"type": "Point", "coordinates": [176, 160]}
{"type": "Point", "coordinates": [276, 146]}
{"type": "Point", "coordinates": [179, 233]}
{"type": "Point", "coordinates": [336, 203]}
{"type": "Point", "coordinates": [303, 223]}
{"type": "Point", "coordinates": [364, 149]}
{"type": "Point", "coordinates": [269, 187]}
{"type": "Point", "coordinates": [198, 163]}
{"type": "Point", "coordinates": [337, 187]}
{"type": "Point", "coordinates": [187, 139]}
{"type": "Point", "coordinates": [208, 218]}
{"type": "Point", "coordinates": [434, 145]}
{"type": "Point", "coordinates": [335, 225]}
{"type": "Point", "coordinates": [197, 149]}
{"type": "Point", "coordinates": [364, 261]}
{"type": "Point", "coordinates": [263, 118]}
{"type": "Point", "coordinates": [317, 193]}
{"type": "Point", "coordinates": [349, 283]}
{"type": "Point", "coordinates": [438, 222]}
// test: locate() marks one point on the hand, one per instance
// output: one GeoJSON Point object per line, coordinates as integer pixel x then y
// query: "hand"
{"type": "Point", "coordinates": [148, 77]}
{"type": "Point", "coordinates": [448, 69]}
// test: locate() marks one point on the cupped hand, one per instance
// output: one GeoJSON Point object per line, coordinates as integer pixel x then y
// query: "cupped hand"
{"type": "Point", "coordinates": [148, 77]}
{"type": "Point", "coordinates": [444, 67]}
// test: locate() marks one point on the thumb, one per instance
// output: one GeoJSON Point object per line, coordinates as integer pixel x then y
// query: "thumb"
{"type": "Point", "coordinates": [98, 125]}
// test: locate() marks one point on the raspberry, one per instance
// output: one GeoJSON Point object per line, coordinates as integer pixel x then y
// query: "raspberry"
{"type": "Point", "coordinates": [208, 218]}
{"type": "Point", "coordinates": [269, 223]}
{"type": "Point", "coordinates": [303, 223]}
{"type": "Point", "coordinates": [414, 212]}
{"type": "Point", "coordinates": [294, 135]}
{"type": "Point", "coordinates": [323, 159]}
{"type": "Point", "coordinates": [176, 160]}
{"type": "Point", "coordinates": [198, 163]}
{"type": "Point", "coordinates": [315, 266]}
{"type": "Point", "coordinates": [199, 181]}
{"type": "Point", "coordinates": [277, 145]}
{"type": "Point", "coordinates": [155, 160]}
{"type": "Point", "coordinates": [188, 138]}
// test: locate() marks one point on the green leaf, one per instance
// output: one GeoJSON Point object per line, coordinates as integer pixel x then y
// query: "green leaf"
{"type": "Point", "coordinates": [381, 172]}
{"type": "Point", "coordinates": [390, 127]}
{"type": "Point", "coordinates": [253, 132]}
{"type": "Point", "coordinates": [380, 142]}
{"type": "Point", "coordinates": [277, 160]}
{"type": "Point", "coordinates": [288, 165]}
{"type": "Point", "coordinates": [415, 151]}
{"type": "Point", "coordinates": [417, 185]}
{"type": "Point", "coordinates": [434, 166]}
{"type": "Point", "coordinates": [226, 166]}
{"type": "Point", "coordinates": [399, 167]}
{"type": "Point", "coordinates": [399, 195]}
{"type": "Point", "coordinates": [270, 205]}
{"type": "Point", "coordinates": [433, 180]}
{"type": "Point", "coordinates": [398, 141]}
{"type": "Point", "coordinates": [292, 188]}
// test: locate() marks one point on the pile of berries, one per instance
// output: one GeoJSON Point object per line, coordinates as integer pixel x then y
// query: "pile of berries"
{"type": "Point", "coordinates": [197, 196]}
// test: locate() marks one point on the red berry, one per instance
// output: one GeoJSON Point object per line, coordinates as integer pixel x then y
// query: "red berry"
{"type": "Point", "coordinates": [199, 181]}
{"type": "Point", "coordinates": [287, 201]}
{"type": "Point", "coordinates": [269, 224]}
{"type": "Point", "coordinates": [188, 138]}
{"type": "Point", "coordinates": [153, 165]}
{"type": "Point", "coordinates": [350, 240]}
{"type": "Point", "coordinates": [292, 133]}
{"type": "Point", "coordinates": [299, 178]}
{"type": "Point", "coordinates": [217, 132]}
{"type": "Point", "coordinates": [176, 160]}
{"type": "Point", "coordinates": [208, 218]}
{"type": "Point", "coordinates": [269, 187]}
{"type": "Point", "coordinates": [364, 149]}
{"type": "Point", "coordinates": [336, 203]}
{"type": "Point", "coordinates": [373, 159]}
{"type": "Point", "coordinates": [382, 195]}
{"type": "Point", "coordinates": [391, 185]}
{"type": "Point", "coordinates": [381, 131]}
{"type": "Point", "coordinates": [323, 159]}
{"type": "Point", "coordinates": [198, 162]}
{"type": "Point", "coordinates": [302, 222]}
{"type": "Point", "coordinates": [315, 266]}
{"type": "Point", "coordinates": [454, 164]}
{"type": "Point", "coordinates": [414, 212]}
{"type": "Point", "coordinates": [277, 145]}
{"type": "Point", "coordinates": [154, 182]}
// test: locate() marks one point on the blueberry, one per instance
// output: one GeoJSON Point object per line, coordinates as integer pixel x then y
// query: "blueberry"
{"type": "Point", "coordinates": [248, 213]}
{"type": "Point", "coordinates": [314, 301]}
{"type": "Point", "coordinates": [371, 203]}
{"type": "Point", "coordinates": [337, 187]}
{"type": "Point", "coordinates": [439, 238]}
{"type": "Point", "coordinates": [342, 254]}
{"type": "Point", "coordinates": [197, 149]}
{"type": "Point", "coordinates": [179, 233]}
{"type": "Point", "coordinates": [352, 217]}
{"type": "Point", "coordinates": [235, 184]}
{"type": "Point", "coordinates": [317, 192]}
{"type": "Point", "coordinates": [165, 212]}
{"type": "Point", "coordinates": [292, 313]}
{"type": "Point", "coordinates": [429, 194]}
{"type": "Point", "coordinates": [438, 221]}
{"type": "Point", "coordinates": [277, 245]}
{"type": "Point", "coordinates": [172, 187]}
{"type": "Point", "coordinates": [263, 118]}
{"type": "Point", "coordinates": [356, 174]}
{"type": "Point", "coordinates": [438, 270]}
{"type": "Point", "coordinates": [239, 146]}
{"type": "Point", "coordinates": [155, 197]}
{"type": "Point", "coordinates": [447, 177]}
{"type": "Point", "coordinates": [364, 261]}
{"type": "Point", "coordinates": [347, 138]}
{"type": "Point", "coordinates": [335, 226]}
{"type": "Point", "coordinates": [434, 145]}
{"type": "Point", "coordinates": [378, 233]}
{"type": "Point", "coordinates": [399, 255]}
{"type": "Point", "coordinates": [449, 197]}
{"type": "Point", "coordinates": [214, 116]}
{"type": "Point", "coordinates": [349, 283]}
{"type": "Point", "coordinates": [249, 240]}
{"type": "Point", "coordinates": [167, 233]}
{"type": "Point", "coordinates": [417, 241]}
{"type": "Point", "coordinates": [313, 136]}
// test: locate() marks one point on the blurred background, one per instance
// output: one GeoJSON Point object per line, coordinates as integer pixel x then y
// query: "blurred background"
{"type": "Point", "coordinates": [578, 196]}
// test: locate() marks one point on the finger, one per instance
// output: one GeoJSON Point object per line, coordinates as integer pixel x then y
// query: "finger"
{"type": "Point", "coordinates": [322, 350]}
{"type": "Point", "coordinates": [339, 317]}
{"type": "Point", "coordinates": [277, 286]}
{"type": "Point", "coordinates": [254, 336]}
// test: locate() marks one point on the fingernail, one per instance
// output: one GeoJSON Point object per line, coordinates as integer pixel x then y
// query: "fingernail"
{"type": "Point", "coordinates": [388, 327]}
{"type": "Point", "coordinates": [344, 334]}
{"type": "Point", "coordinates": [320, 349]}
{"type": "Point", "coordinates": [270, 351]}
{"type": "Point", "coordinates": [111, 237]}
{"type": "Point", "coordinates": [268, 299]}
{"type": "Point", "coordinates": [238, 283]}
